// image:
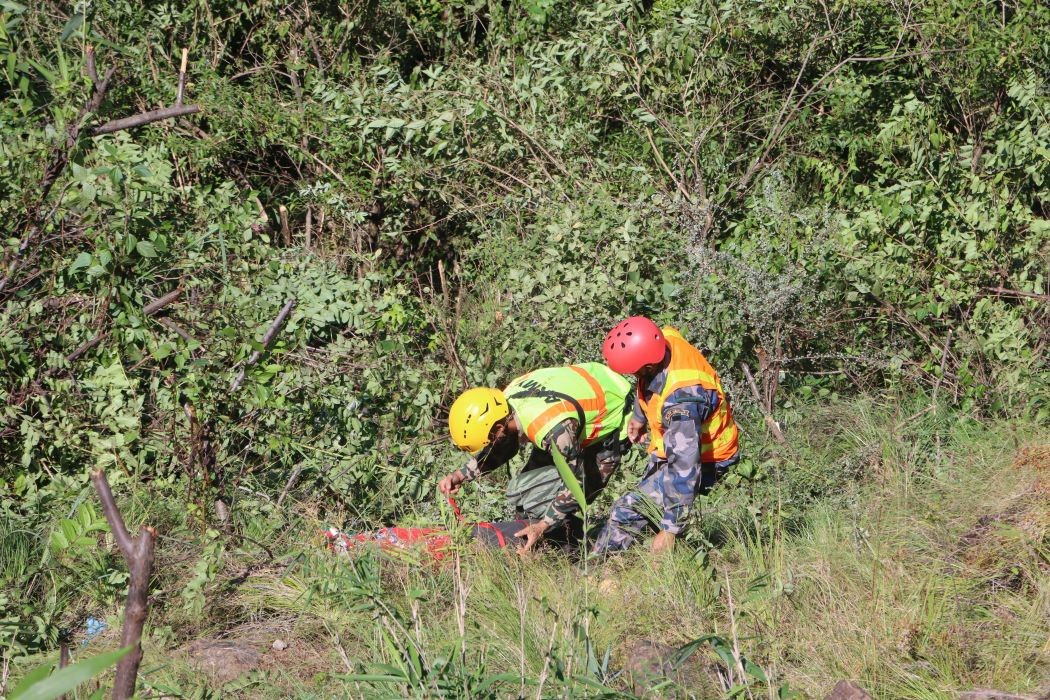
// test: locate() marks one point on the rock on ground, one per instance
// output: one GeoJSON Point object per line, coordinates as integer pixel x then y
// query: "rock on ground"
{"type": "Point", "coordinates": [223, 659]}
{"type": "Point", "coordinates": [848, 690]}
{"type": "Point", "coordinates": [649, 663]}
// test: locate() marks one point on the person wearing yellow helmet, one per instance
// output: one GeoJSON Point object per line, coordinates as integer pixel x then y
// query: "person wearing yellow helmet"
{"type": "Point", "coordinates": [580, 412]}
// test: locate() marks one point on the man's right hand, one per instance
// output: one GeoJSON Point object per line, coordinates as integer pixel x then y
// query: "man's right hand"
{"type": "Point", "coordinates": [636, 430]}
{"type": "Point", "coordinates": [451, 483]}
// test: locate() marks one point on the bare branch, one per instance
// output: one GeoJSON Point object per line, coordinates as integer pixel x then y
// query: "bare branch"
{"type": "Point", "coordinates": [1004, 292]}
{"type": "Point", "coordinates": [182, 78]}
{"type": "Point", "coordinates": [57, 162]}
{"type": "Point", "coordinates": [175, 328]}
{"type": "Point", "coordinates": [155, 115]}
{"type": "Point", "coordinates": [286, 232]}
{"type": "Point", "coordinates": [89, 65]}
{"type": "Point", "coordinates": [267, 340]}
{"type": "Point", "coordinates": [76, 354]}
{"type": "Point", "coordinates": [158, 304]}
{"type": "Point", "coordinates": [773, 426]}
{"type": "Point", "coordinates": [940, 377]}
{"type": "Point", "coordinates": [116, 521]}
{"type": "Point", "coordinates": [138, 555]}
{"type": "Point", "coordinates": [292, 480]}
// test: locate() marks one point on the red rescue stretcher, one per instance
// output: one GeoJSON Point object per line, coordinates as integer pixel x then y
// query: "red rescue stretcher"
{"type": "Point", "coordinates": [433, 541]}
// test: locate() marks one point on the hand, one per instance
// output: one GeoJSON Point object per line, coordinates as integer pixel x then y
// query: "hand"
{"type": "Point", "coordinates": [663, 542]}
{"type": "Point", "coordinates": [636, 429]}
{"type": "Point", "coordinates": [532, 533]}
{"type": "Point", "coordinates": [451, 483]}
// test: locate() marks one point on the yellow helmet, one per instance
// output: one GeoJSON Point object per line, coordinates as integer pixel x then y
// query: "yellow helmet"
{"type": "Point", "coordinates": [472, 416]}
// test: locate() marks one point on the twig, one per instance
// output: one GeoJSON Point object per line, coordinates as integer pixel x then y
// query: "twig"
{"type": "Point", "coordinates": [73, 356]}
{"type": "Point", "coordinates": [326, 166]}
{"type": "Point", "coordinates": [158, 304]}
{"type": "Point", "coordinates": [267, 340]}
{"type": "Point", "coordinates": [1004, 292]}
{"type": "Point", "coordinates": [773, 426]}
{"type": "Point", "coordinates": [940, 376]}
{"type": "Point", "coordinates": [547, 662]}
{"type": "Point", "coordinates": [781, 122]}
{"type": "Point", "coordinates": [60, 153]}
{"type": "Point", "coordinates": [309, 226]}
{"type": "Point", "coordinates": [155, 115]}
{"type": "Point", "coordinates": [138, 555]}
{"type": "Point", "coordinates": [63, 655]}
{"type": "Point", "coordinates": [175, 328]}
{"type": "Point", "coordinates": [290, 484]}
{"type": "Point", "coordinates": [286, 231]}
{"type": "Point", "coordinates": [182, 78]}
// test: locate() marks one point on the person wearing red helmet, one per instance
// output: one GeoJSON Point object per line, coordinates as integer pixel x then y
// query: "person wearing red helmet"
{"type": "Point", "coordinates": [693, 438]}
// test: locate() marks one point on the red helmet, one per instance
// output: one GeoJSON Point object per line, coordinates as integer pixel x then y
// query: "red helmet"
{"type": "Point", "coordinates": [634, 343]}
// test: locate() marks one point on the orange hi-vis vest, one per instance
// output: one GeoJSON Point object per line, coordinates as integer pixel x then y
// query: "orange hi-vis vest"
{"type": "Point", "coordinates": [688, 367]}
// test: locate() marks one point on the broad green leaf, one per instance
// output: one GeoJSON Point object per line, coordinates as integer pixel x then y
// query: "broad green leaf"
{"type": "Point", "coordinates": [146, 249]}
{"type": "Point", "coordinates": [72, 25]}
{"type": "Point", "coordinates": [64, 680]}
{"type": "Point", "coordinates": [570, 479]}
{"type": "Point", "coordinates": [755, 671]}
{"type": "Point", "coordinates": [83, 260]}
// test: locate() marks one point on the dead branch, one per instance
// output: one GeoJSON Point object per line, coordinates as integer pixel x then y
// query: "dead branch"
{"type": "Point", "coordinates": [774, 427]}
{"type": "Point", "coordinates": [155, 115]}
{"type": "Point", "coordinates": [175, 328]}
{"type": "Point", "coordinates": [63, 654]}
{"type": "Point", "coordinates": [138, 555]}
{"type": "Point", "coordinates": [292, 480]}
{"type": "Point", "coordinates": [182, 78]}
{"type": "Point", "coordinates": [158, 304]}
{"type": "Point", "coordinates": [286, 231]}
{"type": "Point", "coordinates": [76, 354]}
{"type": "Point", "coordinates": [267, 340]}
{"type": "Point", "coordinates": [1004, 292]}
{"type": "Point", "coordinates": [940, 377]}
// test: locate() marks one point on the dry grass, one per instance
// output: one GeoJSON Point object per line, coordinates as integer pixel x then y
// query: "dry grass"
{"type": "Point", "coordinates": [931, 577]}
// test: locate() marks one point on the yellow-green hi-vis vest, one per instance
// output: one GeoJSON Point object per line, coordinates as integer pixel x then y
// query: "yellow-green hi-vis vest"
{"type": "Point", "coordinates": [590, 392]}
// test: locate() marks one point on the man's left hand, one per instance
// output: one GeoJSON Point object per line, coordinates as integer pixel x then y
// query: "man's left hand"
{"type": "Point", "coordinates": [532, 533]}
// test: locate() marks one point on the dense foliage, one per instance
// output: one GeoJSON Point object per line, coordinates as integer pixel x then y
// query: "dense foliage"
{"type": "Point", "coordinates": [843, 196]}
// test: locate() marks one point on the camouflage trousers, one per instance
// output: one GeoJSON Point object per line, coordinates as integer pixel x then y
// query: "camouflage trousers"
{"type": "Point", "coordinates": [660, 501]}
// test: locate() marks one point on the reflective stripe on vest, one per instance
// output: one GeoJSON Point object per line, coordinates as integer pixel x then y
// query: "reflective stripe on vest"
{"type": "Point", "coordinates": [590, 392]}
{"type": "Point", "coordinates": [688, 367]}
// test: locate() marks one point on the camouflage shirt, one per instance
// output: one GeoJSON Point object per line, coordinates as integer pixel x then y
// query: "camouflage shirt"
{"type": "Point", "coordinates": [564, 437]}
{"type": "Point", "coordinates": [684, 413]}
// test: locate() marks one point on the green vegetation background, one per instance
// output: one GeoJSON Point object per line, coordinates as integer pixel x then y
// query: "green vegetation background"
{"type": "Point", "coordinates": [847, 198]}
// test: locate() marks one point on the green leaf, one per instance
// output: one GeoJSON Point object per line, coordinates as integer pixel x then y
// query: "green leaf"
{"type": "Point", "coordinates": [146, 249]}
{"type": "Point", "coordinates": [570, 479]}
{"type": "Point", "coordinates": [72, 25]}
{"type": "Point", "coordinates": [36, 687]}
{"type": "Point", "coordinates": [83, 260]}
{"type": "Point", "coordinates": [36, 675]}
{"type": "Point", "coordinates": [59, 541]}
{"type": "Point", "coordinates": [755, 671]}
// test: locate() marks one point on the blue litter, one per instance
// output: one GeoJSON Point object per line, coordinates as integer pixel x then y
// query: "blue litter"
{"type": "Point", "coordinates": [93, 627]}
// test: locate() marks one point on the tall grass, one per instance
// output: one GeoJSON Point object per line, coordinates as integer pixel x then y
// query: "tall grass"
{"type": "Point", "coordinates": [895, 545]}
